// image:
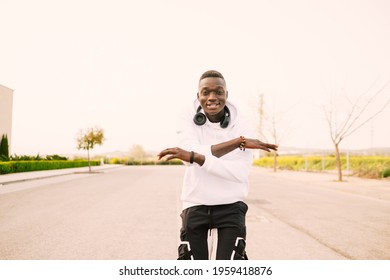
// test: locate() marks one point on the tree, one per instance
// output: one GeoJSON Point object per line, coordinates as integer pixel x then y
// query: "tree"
{"type": "Point", "coordinates": [355, 114]}
{"type": "Point", "coordinates": [88, 138]}
{"type": "Point", "coordinates": [4, 147]}
{"type": "Point", "coordinates": [137, 152]}
{"type": "Point", "coordinates": [273, 126]}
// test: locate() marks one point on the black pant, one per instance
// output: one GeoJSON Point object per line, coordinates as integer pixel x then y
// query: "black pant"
{"type": "Point", "coordinates": [228, 219]}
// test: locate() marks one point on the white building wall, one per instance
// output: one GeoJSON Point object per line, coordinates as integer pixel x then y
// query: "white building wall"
{"type": "Point", "coordinates": [6, 97]}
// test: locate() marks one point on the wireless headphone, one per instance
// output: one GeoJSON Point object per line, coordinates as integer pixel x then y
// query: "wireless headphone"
{"type": "Point", "coordinates": [200, 118]}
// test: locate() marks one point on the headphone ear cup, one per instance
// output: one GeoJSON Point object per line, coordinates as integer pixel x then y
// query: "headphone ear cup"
{"type": "Point", "coordinates": [225, 122]}
{"type": "Point", "coordinates": [200, 118]}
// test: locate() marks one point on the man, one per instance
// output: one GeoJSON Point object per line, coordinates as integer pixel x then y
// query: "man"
{"type": "Point", "coordinates": [215, 144]}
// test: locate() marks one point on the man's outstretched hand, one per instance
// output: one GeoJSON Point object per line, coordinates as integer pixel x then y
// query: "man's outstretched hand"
{"type": "Point", "coordinates": [173, 153]}
{"type": "Point", "coordinates": [257, 144]}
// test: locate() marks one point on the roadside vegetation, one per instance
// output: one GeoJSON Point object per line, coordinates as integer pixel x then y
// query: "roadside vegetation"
{"type": "Point", "coordinates": [147, 161]}
{"type": "Point", "coordinates": [15, 164]}
{"type": "Point", "coordinates": [138, 156]}
{"type": "Point", "coordinates": [375, 167]}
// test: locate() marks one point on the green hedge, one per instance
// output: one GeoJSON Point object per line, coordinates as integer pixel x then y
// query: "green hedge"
{"type": "Point", "coordinates": [25, 166]}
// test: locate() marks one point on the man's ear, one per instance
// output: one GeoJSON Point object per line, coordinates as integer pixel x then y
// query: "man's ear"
{"type": "Point", "coordinates": [227, 94]}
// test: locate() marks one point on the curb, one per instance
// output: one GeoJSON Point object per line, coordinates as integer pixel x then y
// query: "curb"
{"type": "Point", "coordinates": [63, 172]}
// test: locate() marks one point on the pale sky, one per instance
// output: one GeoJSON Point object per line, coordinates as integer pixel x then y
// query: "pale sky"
{"type": "Point", "coordinates": [130, 67]}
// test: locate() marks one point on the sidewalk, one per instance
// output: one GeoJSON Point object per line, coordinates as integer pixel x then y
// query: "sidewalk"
{"type": "Point", "coordinates": [374, 188]}
{"type": "Point", "coordinates": [34, 175]}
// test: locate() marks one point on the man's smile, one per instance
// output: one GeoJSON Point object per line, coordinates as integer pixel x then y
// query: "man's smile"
{"type": "Point", "coordinates": [212, 105]}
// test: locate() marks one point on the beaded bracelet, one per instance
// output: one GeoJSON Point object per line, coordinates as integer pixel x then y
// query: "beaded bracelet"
{"type": "Point", "coordinates": [242, 144]}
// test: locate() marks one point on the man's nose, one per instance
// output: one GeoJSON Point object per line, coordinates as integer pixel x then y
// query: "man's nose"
{"type": "Point", "coordinates": [212, 95]}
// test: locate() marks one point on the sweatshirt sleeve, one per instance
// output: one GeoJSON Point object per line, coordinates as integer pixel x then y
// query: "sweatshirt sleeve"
{"type": "Point", "coordinates": [236, 169]}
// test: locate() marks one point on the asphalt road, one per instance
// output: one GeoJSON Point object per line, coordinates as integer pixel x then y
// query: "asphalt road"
{"type": "Point", "coordinates": [133, 213]}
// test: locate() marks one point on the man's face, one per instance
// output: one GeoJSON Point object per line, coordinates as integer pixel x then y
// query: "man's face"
{"type": "Point", "coordinates": [212, 95]}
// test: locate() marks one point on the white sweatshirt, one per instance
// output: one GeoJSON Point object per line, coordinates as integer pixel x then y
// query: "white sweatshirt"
{"type": "Point", "coordinates": [219, 180]}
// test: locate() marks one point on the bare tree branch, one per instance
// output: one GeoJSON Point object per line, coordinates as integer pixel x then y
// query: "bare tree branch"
{"type": "Point", "coordinates": [368, 119]}
{"type": "Point", "coordinates": [352, 127]}
{"type": "Point", "coordinates": [354, 118]}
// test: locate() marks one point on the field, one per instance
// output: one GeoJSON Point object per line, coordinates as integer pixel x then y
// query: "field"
{"type": "Point", "coordinates": [362, 166]}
